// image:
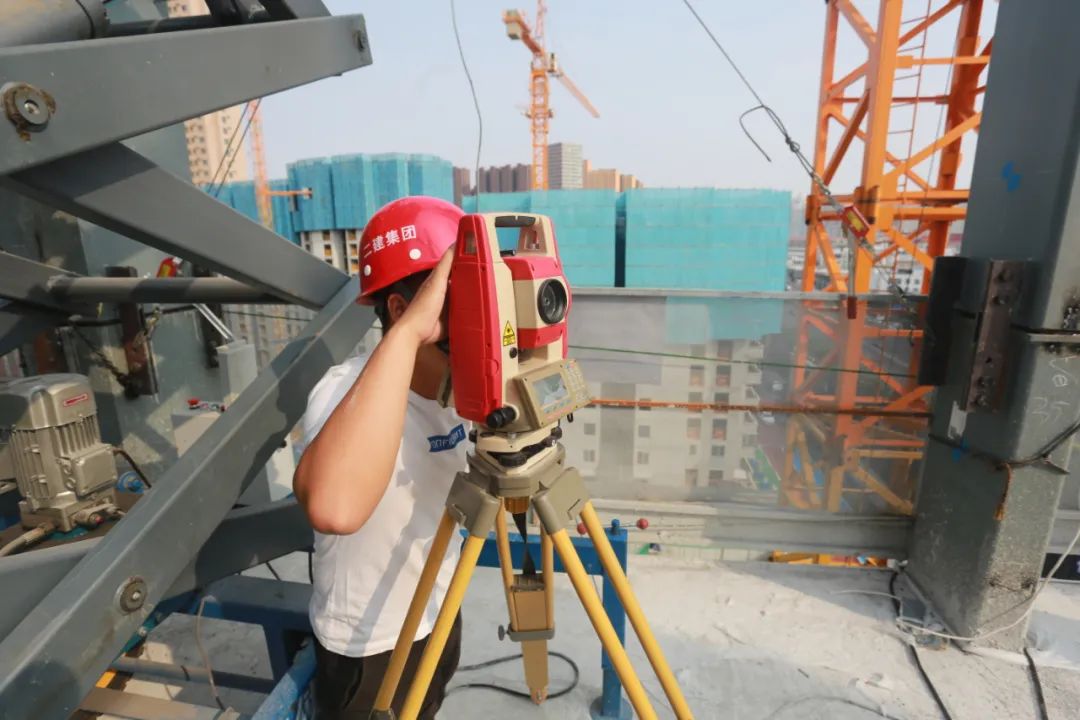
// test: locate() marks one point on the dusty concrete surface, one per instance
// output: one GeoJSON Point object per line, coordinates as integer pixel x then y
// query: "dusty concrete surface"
{"type": "Point", "coordinates": [753, 641]}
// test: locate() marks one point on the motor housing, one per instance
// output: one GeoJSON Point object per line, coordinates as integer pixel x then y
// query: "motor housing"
{"type": "Point", "coordinates": [63, 470]}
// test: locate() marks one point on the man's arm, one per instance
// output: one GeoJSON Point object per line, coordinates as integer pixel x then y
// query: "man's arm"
{"type": "Point", "coordinates": [345, 470]}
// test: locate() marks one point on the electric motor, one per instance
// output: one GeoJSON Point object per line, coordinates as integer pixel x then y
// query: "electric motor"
{"type": "Point", "coordinates": [63, 470]}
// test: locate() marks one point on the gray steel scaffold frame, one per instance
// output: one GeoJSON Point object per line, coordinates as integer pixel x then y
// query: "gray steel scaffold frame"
{"type": "Point", "coordinates": [66, 625]}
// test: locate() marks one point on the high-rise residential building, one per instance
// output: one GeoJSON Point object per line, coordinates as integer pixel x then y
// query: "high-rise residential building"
{"type": "Point", "coordinates": [345, 191]}
{"type": "Point", "coordinates": [208, 136]}
{"type": "Point", "coordinates": [565, 167]}
{"type": "Point", "coordinates": [674, 453]}
{"type": "Point", "coordinates": [521, 178]}
{"type": "Point", "coordinates": [607, 178]}
{"type": "Point", "coordinates": [602, 179]}
{"type": "Point", "coordinates": [462, 184]}
{"type": "Point", "coordinates": [504, 179]}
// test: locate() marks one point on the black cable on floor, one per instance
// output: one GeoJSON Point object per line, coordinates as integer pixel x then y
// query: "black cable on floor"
{"type": "Point", "coordinates": [1044, 714]}
{"type": "Point", "coordinates": [915, 656]}
{"type": "Point", "coordinates": [511, 691]}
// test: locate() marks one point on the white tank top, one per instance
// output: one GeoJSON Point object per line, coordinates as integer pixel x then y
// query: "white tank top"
{"type": "Point", "coordinates": [365, 581]}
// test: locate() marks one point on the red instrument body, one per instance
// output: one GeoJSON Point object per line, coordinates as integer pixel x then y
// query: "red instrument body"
{"type": "Point", "coordinates": [492, 340]}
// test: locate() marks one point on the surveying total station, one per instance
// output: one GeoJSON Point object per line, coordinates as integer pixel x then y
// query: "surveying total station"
{"type": "Point", "coordinates": [510, 376]}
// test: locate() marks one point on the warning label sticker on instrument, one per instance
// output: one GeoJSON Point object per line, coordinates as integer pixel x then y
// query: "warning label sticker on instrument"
{"type": "Point", "coordinates": [509, 338]}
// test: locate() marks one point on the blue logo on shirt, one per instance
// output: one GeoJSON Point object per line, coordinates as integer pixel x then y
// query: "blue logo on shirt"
{"type": "Point", "coordinates": [449, 441]}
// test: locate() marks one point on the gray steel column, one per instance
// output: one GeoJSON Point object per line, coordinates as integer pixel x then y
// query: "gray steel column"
{"type": "Point", "coordinates": [981, 528]}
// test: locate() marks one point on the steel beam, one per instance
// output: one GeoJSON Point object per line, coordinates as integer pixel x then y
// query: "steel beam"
{"type": "Point", "coordinates": [247, 537]}
{"type": "Point", "coordinates": [158, 80]}
{"type": "Point", "coordinates": [738, 525]}
{"type": "Point", "coordinates": [25, 22]}
{"type": "Point", "coordinates": [20, 323]}
{"type": "Point", "coordinates": [191, 673]}
{"type": "Point", "coordinates": [27, 281]}
{"type": "Point", "coordinates": [155, 290]}
{"type": "Point", "coordinates": [55, 655]}
{"type": "Point", "coordinates": [984, 517]}
{"type": "Point", "coordinates": [119, 189]}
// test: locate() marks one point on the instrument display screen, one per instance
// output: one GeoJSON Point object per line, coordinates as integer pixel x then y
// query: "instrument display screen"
{"type": "Point", "coordinates": [550, 390]}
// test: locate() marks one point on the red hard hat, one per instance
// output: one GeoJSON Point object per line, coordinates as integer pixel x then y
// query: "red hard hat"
{"type": "Point", "coordinates": [406, 236]}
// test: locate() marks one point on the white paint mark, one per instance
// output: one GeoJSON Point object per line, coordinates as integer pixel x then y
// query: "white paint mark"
{"type": "Point", "coordinates": [957, 422]}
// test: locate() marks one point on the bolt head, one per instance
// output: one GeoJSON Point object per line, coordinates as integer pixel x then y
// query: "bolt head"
{"type": "Point", "coordinates": [132, 594]}
{"type": "Point", "coordinates": [26, 107]}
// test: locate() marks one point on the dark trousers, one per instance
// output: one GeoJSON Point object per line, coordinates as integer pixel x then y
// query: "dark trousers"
{"type": "Point", "coordinates": [345, 687]}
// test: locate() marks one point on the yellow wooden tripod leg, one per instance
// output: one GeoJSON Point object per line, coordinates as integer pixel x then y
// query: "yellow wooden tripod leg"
{"type": "Point", "coordinates": [633, 611]}
{"type": "Point", "coordinates": [506, 563]}
{"type": "Point", "coordinates": [547, 569]}
{"type": "Point", "coordinates": [419, 603]}
{"type": "Point", "coordinates": [602, 624]}
{"type": "Point", "coordinates": [470, 554]}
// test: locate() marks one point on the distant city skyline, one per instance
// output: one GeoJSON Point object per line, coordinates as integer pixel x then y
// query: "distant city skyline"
{"type": "Point", "coordinates": [670, 118]}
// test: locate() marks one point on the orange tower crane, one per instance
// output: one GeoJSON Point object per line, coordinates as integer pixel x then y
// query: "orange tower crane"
{"type": "Point", "coordinates": [543, 65]}
{"type": "Point", "coordinates": [263, 193]}
{"type": "Point", "coordinates": [908, 194]}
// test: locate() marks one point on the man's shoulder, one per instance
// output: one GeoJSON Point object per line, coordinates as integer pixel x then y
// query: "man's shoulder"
{"type": "Point", "coordinates": [333, 385]}
{"type": "Point", "coordinates": [346, 371]}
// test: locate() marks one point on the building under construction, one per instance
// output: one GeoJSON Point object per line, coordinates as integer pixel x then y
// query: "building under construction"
{"type": "Point", "coordinates": [848, 500]}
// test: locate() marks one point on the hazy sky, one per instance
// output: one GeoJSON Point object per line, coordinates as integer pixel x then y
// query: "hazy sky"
{"type": "Point", "coordinates": [669, 103]}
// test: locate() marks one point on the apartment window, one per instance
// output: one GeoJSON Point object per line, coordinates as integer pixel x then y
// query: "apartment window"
{"type": "Point", "coordinates": [717, 451]}
{"type": "Point", "coordinates": [590, 428]}
{"type": "Point", "coordinates": [589, 456]}
{"type": "Point", "coordinates": [642, 457]}
{"type": "Point", "coordinates": [723, 375]}
{"type": "Point", "coordinates": [693, 429]}
{"type": "Point", "coordinates": [644, 431]}
{"type": "Point", "coordinates": [691, 477]}
{"type": "Point", "coordinates": [644, 408]}
{"type": "Point", "coordinates": [716, 477]}
{"type": "Point", "coordinates": [697, 375]}
{"type": "Point", "coordinates": [719, 429]}
{"type": "Point", "coordinates": [691, 449]}
{"type": "Point", "coordinates": [720, 398]}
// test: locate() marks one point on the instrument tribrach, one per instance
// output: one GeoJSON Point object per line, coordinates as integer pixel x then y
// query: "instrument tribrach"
{"type": "Point", "coordinates": [510, 376]}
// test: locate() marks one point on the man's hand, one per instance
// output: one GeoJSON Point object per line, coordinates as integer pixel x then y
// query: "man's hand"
{"type": "Point", "coordinates": [424, 320]}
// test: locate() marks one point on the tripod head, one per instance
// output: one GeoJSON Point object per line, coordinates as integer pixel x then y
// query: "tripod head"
{"type": "Point", "coordinates": [508, 333]}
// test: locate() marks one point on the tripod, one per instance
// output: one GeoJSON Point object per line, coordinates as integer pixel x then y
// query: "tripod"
{"type": "Point", "coordinates": [513, 473]}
